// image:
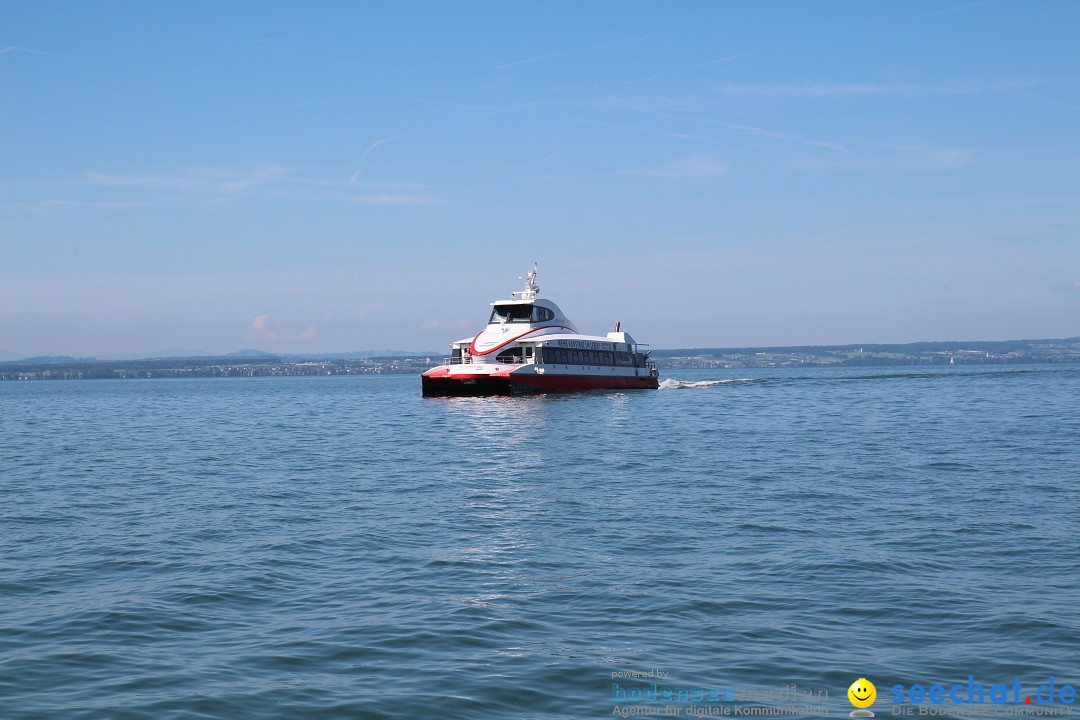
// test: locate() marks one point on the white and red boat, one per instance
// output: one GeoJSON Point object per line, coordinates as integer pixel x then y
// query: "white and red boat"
{"type": "Point", "coordinates": [529, 345]}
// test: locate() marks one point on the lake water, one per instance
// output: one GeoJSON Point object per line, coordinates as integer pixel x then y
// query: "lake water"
{"type": "Point", "coordinates": [343, 548]}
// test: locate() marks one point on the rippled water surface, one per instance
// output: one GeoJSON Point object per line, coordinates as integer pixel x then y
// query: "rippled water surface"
{"type": "Point", "coordinates": [342, 547]}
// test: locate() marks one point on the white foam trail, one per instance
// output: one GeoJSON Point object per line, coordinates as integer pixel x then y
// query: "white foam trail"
{"type": "Point", "coordinates": [673, 384]}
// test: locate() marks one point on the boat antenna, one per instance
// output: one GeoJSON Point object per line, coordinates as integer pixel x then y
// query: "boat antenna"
{"type": "Point", "coordinates": [531, 288]}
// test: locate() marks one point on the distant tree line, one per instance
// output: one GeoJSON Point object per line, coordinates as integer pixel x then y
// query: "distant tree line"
{"type": "Point", "coordinates": [916, 348]}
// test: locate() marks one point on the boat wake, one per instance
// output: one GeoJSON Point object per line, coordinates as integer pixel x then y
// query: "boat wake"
{"type": "Point", "coordinates": [673, 384]}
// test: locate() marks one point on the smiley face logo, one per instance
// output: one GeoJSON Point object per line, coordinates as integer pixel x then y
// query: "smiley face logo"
{"type": "Point", "coordinates": [862, 693]}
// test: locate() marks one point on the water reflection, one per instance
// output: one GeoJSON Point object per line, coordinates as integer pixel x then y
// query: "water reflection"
{"type": "Point", "coordinates": [505, 449]}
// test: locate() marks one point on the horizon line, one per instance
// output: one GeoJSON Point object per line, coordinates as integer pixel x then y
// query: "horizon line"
{"type": "Point", "coordinates": [251, 353]}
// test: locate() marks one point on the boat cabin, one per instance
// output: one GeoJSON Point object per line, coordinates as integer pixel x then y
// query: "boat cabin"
{"type": "Point", "coordinates": [521, 312]}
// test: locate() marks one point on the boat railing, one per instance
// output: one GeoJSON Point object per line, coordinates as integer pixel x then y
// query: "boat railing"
{"type": "Point", "coordinates": [468, 360]}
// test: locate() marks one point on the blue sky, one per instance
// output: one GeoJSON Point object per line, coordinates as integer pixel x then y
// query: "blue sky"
{"type": "Point", "coordinates": [335, 176]}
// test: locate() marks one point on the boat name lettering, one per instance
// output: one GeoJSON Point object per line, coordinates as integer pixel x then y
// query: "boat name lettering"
{"type": "Point", "coordinates": [584, 344]}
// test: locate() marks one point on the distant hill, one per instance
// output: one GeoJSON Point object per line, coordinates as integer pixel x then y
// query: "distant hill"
{"type": "Point", "coordinates": [993, 346]}
{"type": "Point", "coordinates": [173, 352]}
{"type": "Point", "coordinates": [249, 354]}
{"type": "Point", "coordinates": [302, 357]}
{"type": "Point", "coordinates": [174, 355]}
{"type": "Point", "coordinates": [363, 354]}
{"type": "Point", "coordinates": [55, 360]}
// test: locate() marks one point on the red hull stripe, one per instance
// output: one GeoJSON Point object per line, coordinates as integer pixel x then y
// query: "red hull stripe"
{"type": "Point", "coordinates": [510, 384]}
{"type": "Point", "coordinates": [474, 351]}
{"type": "Point", "coordinates": [584, 382]}
{"type": "Point", "coordinates": [443, 372]}
{"type": "Point", "coordinates": [550, 382]}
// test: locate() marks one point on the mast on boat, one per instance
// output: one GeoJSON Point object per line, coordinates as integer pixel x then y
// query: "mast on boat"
{"type": "Point", "coordinates": [531, 288]}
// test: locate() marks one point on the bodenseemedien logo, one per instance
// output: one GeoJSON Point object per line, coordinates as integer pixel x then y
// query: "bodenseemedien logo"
{"type": "Point", "coordinates": [862, 694]}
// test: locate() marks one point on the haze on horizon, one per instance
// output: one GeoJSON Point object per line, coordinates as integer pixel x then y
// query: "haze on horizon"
{"type": "Point", "coordinates": [332, 177]}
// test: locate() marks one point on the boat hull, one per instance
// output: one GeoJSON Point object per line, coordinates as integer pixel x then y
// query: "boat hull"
{"type": "Point", "coordinates": [522, 384]}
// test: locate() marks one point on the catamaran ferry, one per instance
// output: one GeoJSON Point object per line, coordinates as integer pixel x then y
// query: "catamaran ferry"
{"type": "Point", "coordinates": [529, 346]}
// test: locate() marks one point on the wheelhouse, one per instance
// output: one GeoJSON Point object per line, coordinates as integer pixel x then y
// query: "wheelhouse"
{"type": "Point", "coordinates": [520, 313]}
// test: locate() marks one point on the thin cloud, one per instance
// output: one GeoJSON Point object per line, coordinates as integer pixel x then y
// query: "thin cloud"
{"type": "Point", "coordinates": [261, 329]}
{"type": "Point", "coordinates": [889, 156]}
{"type": "Point", "coordinates": [716, 61]}
{"type": "Point", "coordinates": [527, 61]}
{"type": "Point", "coordinates": [184, 181]}
{"type": "Point", "coordinates": [688, 167]}
{"type": "Point", "coordinates": [814, 89]}
{"type": "Point", "coordinates": [626, 41]}
{"type": "Point", "coordinates": [512, 108]}
{"type": "Point", "coordinates": [456, 105]}
{"type": "Point", "coordinates": [377, 143]}
{"type": "Point", "coordinates": [646, 104]}
{"type": "Point", "coordinates": [756, 131]}
{"type": "Point", "coordinates": [397, 199]}
{"type": "Point", "coordinates": [25, 48]}
{"type": "Point", "coordinates": [261, 176]}
{"type": "Point", "coordinates": [371, 310]}
{"type": "Point", "coordinates": [642, 79]}
{"type": "Point", "coordinates": [477, 110]}
{"type": "Point", "coordinates": [214, 179]}
{"type": "Point", "coordinates": [848, 89]}
{"type": "Point", "coordinates": [930, 157]}
{"type": "Point", "coordinates": [727, 58]}
{"type": "Point", "coordinates": [222, 184]}
{"type": "Point", "coordinates": [828, 145]}
{"type": "Point", "coordinates": [635, 128]}
{"type": "Point", "coordinates": [47, 54]}
{"type": "Point", "coordinates": [549, 56]}
{"type": "Point", "coordinates": [360, 170]}
{"type": "Point", "coordinates": [61, 204]}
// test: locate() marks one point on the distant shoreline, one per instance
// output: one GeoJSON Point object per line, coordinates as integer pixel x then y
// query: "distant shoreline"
{"type": "Point", "coordinates": [970, 352]}
{"type": "Point", "coordinates": [989, 352]}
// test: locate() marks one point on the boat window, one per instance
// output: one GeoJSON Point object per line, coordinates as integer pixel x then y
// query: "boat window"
{"type": "Point", "coordinates": [560, 356]}
{"type": "Point", "coordinates": [511, 313]}
{"type": "Point", "coordinates": [542, 314]}
{"type": "Point", "coordinates": [512, 355]}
